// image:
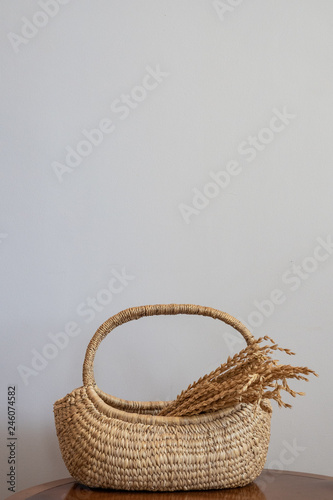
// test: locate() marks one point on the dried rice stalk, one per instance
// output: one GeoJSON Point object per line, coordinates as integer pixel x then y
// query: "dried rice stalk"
{"type": "Point", "coordinates": [243, 378]}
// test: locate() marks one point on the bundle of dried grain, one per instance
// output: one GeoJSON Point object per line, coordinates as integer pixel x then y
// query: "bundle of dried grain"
{"type": "Point", "coordinates": [243, 378]}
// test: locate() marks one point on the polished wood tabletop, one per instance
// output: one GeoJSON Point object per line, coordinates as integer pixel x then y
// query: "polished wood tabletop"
{"type": "Point", "coordinates": [270, 485]}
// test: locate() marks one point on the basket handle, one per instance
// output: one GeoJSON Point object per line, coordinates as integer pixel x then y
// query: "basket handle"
{"type": "Point", "coordinates": [152, 310]}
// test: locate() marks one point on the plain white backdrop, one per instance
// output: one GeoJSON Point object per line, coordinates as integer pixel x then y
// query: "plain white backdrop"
{"type": "Point", "coordinates": [93, 222]}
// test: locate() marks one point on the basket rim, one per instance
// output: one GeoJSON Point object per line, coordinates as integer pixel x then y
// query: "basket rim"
{"type": "Point", "coordinates": [94, 395]}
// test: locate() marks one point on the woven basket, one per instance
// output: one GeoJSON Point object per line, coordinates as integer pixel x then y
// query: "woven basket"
{"type": "Point", "coordinates": [108, 442]}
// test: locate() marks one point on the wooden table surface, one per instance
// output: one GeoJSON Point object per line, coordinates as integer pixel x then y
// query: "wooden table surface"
{"type": "Point", "coordinates": [270, 485]}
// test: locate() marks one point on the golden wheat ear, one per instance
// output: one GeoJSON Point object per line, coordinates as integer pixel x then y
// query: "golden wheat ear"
{"type": "Point", "coordinates": [245, 377]}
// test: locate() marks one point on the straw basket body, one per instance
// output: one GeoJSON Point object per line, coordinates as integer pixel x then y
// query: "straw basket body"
{"type": "Point", "coordinates": [108, 442]}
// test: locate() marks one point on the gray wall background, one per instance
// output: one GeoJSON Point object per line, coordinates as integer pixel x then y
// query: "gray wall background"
{"type": "Point", "coordinates": [182, 93]}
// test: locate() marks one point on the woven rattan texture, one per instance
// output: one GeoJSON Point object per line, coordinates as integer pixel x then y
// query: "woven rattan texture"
{"type": "Point", "coordinates": [108, 442]}
{"type": "Point", "coordinates": [112, 448]}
